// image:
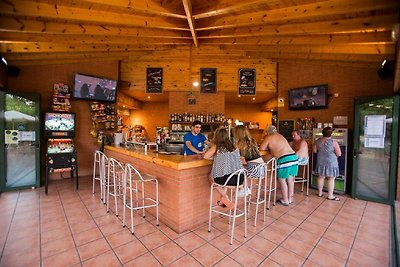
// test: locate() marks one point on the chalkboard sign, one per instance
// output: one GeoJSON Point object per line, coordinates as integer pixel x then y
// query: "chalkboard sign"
{"type": "Point", "coordinates": [247, 81]}
{"type": "Point", "coordinates": [286, 128]}
{"type": "Point", "coordinates": [154, 80]}
{"type": "Point", "coordinates": [208, 81]}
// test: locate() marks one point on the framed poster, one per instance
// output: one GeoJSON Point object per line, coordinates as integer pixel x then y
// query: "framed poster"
{"type": "Point", "coordinates": [208, 80]}
{"type": "Point", "coordinates": [247, 81]}
{"type": "Point", "coordinates": [285, 128]}
{"type": "Point", "coordinates": [154, 80]}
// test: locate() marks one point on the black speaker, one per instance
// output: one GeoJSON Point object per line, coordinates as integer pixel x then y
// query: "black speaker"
{"type": "Point", "coordinates": [387, 70]}
{"type": "Point", "coordinates": [12, 71]}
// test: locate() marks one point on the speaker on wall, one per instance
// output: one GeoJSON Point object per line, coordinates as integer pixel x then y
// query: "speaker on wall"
{"type": "Point", "coordinates": [12, 71]}
{"type": "Point", "coordinates": [386, 71]}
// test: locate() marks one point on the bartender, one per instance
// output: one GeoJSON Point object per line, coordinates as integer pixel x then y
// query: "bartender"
{"type": "Point", "coordinates": [194, 141]}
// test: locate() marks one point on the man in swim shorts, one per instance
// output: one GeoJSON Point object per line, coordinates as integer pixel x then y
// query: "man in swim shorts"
{"type": "Point", "coordinates": [287, 162]}
{"type": "Point", "coordinates": [300, 146]}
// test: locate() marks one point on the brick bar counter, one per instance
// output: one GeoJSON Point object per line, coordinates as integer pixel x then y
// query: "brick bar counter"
{"type": "Point", "coordinates": [184, 187]}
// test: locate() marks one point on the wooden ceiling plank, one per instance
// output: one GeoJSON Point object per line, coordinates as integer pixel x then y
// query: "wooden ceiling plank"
{"type": "Point", "coordinates": [188, 10]}
{"type": "Point", "coordinates": [365, 37]}
{"type": "Point", "coordinates": [58, 12]}
{"type": "Point", "coordinates": [291, 14]}
{"type": "Point", "coordinates": [88, 39]}
{"type": "Point", "coordinates": [368, 24]}
{"type": "Point", "coordinates": [36, 26]}
{"type": "Point", "coordinates": [59, 56]}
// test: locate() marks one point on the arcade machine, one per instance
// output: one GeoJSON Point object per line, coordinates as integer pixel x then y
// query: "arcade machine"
{"type": "Point", "coordinates": [341, 136]}
{"type": "Point", "coordinates": [59, 131]}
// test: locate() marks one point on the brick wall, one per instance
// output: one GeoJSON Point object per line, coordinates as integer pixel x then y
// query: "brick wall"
{"type": "Point", "coordinates": [40, 79]}
{"type": "Point", "coordinates": [348, 82]}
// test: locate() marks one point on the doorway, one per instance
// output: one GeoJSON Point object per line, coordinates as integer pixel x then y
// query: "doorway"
{"type": "Point", "coordinates": [375, 148]}
{"type": "Point", "coordinates": [20, 146]}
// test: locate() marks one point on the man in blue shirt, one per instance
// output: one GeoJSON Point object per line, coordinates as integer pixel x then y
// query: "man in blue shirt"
{"type": "Point", "coordinates": [194, 141]}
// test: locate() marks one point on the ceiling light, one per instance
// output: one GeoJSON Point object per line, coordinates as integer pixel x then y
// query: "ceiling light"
{"type": "Point", "coordinates": [4, 60]}
{"type": "Point", "coordinates": [148, 97]}
{"type": "Point", "coordinates": [254, 98]}
{"type": "Point", "coordinates": [123, 106]}
{"type": "Point", "coordinates": [195, 84]}
{"type": "Point", "coordinates": [239, 95]}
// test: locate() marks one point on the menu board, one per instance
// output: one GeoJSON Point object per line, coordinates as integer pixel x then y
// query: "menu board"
{"type": "Point", "coordinates": [208, 80]}
{"type": "Point", "coordinates": [154, 80]}
{"type": "Point", "coordinates": [286, 128]}
{"type": "Point", "coordinates": [247, 81]}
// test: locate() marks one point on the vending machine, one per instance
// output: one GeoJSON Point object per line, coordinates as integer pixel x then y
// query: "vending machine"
{"type": "Point", "coordinates": [341, 136]}
{"type": "Point", "coordinates": [60, 152]}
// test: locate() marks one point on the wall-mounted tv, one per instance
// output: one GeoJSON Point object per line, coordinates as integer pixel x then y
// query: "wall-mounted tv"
{"type": "Point", "coordinates": [58, 124]}
{"type": "Point", "coordinates": [94, 88]}
{"type": "Point", "coordinates": [310, 97]}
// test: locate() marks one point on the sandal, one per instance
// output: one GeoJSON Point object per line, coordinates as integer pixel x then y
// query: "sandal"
{"type": "Point", "coordinates": [319, 195]}
{"type": "Point", "coordinates": [219, 203]}
{"type": "Point", "coordinates": [225, 201]}
{"type": "Point", "coordinates": [333, 199]}
{"type": "Point", "coordinates": [280, 201]}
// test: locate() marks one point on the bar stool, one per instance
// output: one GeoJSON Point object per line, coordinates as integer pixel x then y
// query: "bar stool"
{"type": "Point", "coordinates": [131, 177]}
{"type": "Point", "coordinates": [271, 175]}
{"type": "Point", "coordinates": [305, 178]}
{"type": "Point", "coordinates": [115, 178]}
{"type": "Point", "coordinates": [96, 165]}
{"type": "Point", "coordinates": [236, 212]}
{"type": "Point", "coordinates": [258, 177]}
{"type": "Point", "coordinates": [103, 176]}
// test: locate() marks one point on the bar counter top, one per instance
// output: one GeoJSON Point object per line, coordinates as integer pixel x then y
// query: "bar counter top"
{"type": "Point", "coordinates": [174, 161]}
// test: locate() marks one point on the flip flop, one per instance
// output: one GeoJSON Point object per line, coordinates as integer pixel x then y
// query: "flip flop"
{"type": "Point", "coordinates": [279, 201]}
{"type": "Point", "coordinates": [219, 203]}
{"type": "Point", "coordinates": [319, 195]}
{"type": "Point", "coordinates": [333, 199]}
{"type": "Point", "coordinates": [225, 201]}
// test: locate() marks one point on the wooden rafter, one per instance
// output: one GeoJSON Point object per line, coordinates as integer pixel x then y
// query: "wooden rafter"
{"type": "Point", "coordinates": [188, 10]}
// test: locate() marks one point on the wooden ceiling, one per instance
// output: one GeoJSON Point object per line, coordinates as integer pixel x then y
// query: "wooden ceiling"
{"type": "Point", "coordinates": [62, 31]}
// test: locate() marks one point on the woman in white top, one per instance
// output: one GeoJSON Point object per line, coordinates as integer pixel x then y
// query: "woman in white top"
{"type": "Point", "coordinates": [226, 161]}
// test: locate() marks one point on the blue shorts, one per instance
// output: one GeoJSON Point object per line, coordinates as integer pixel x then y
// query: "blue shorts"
{"type": "Point", "coordinates": [288, 165]}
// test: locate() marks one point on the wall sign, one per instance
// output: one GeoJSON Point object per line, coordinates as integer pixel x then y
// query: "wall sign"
{"type": "Point", "coordinates": [286, 128]}
{"type": "Point", "coordinates": [208, 80]}
{"type": "Point", "coordinates": [154, 80]}
{"type": "Point", "coordinates": [247, 81]}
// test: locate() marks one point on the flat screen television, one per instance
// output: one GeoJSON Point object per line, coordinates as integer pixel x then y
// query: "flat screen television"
{"type": "Point", "coordinates": [310, 97]}
{"type": "Point", "coordinates": [94, 88]}
{"type": "Point", "coordinates": [57, 124]}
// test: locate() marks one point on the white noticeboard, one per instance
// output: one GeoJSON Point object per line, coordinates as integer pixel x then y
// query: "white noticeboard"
{"type": "Point", "coordinates": [27, 135]}
{"type": "Point", "coordinates": [374, 131]}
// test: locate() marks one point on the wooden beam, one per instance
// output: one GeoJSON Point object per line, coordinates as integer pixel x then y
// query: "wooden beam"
{"type": "Point", "coordinates": [58, 47]}
{"type": "Point", "coordinates": [368, 24]}
{"type": "Point", "coordinates": [310, 56]}
{"type": "Point", "coordinates": [22, 8]}
{"type": "Point", "coordinates": [364, 37]}
{"type": "Point", "coordinates": [147, 7]}
{"type": "Point", "coordinates": [88, 39]}
{"type": "Point", "coordinates": [37, 26]}
{"type": "Point", "coordinates": [292, 14]}
{"type": "Point", "coordinates": [188, 9]}
{"type": "Point", "coordinates": [371, 65]}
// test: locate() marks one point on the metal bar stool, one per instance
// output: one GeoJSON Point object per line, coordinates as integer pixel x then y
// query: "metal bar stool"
{"type": "Point", "coordinates": [115, 178]}
{"type": "Point", "coordinates": [271, 175]}
{"type": "Point", "coordinates": [258, 177]}
{"type": "Point", "coordinates": [103, 176]}
{"type": "Point", "coordinates": [96, 165]}
{"type": "Point", "coordinates": [305, 178]}
{"type": "Point", "coordinates": [236, 212]}
{"type": "Point", "coordinates": [131, 177]}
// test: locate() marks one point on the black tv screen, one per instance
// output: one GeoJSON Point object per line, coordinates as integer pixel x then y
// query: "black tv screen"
{"type": "Point", "coordinates": [57, 124]}
{"type": "Point", "coordinates": [310, 97]}
{"type": "Point", "coordinates": [94, 88]}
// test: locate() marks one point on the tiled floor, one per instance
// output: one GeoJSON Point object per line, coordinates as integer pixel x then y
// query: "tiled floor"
{"type": "Point", "coordinates": [72, 228]}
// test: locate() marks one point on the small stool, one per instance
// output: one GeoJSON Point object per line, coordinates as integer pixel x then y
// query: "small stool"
{"type": "Point", "coordinates": [133, 176]}
{"type": "Point", "coordinates": [213, 208]}
{"type": "Point", "coordinates": [305, 178]}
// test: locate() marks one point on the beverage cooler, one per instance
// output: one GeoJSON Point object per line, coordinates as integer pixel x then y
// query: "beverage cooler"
{"type": "Point", "coordinates": [341, 136]}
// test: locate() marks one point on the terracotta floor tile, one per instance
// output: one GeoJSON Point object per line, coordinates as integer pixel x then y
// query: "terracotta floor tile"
{"type": "Point", "coordinates": [186, 260]}
{"type": "Point", "coordinates": [313, 228]}
{"type": "Point", "coordinates": [87, 236]}
{"type": "Point", "coordinates": [227, 262]}
{"type": "Point", "coordinates": [168, 253]}
{"type": "Point", "coordinates": [269, 263]}
{"type": "Point", "coordinates": [55, 234]}
{"type": "Point", "coordinates": [305, 236]}
{"type": "Point", "coordinates": [371, 249]}
{"type": "Point", "coordinates": [273, 235]}
{"type": "Point", "coordinates": [130, 251]}
{"type": "Point", "coordinates": [338, 237]}
{"type": "Point", "coordinates": [223, 243]}
{"type": "Point", "coordinates": [309, 263]}
{"type": "Point", "coordinates": [291, 220]}
{"type": "Point", "coordinates": [144, 229]}
{"type": "Point", "coordinates": [334, 248]}
{"type": "Point", "coordinates": [144, 260]}
{"type": "Point", "coordinates": [261, 245]}
{"type": "Point", "coordinates": [111, 228]}
{"type": "Point", "coordinates": [154, 240]}
{"type": "Point", "coordinates": [57, 246]}
{"type": "Point", "coordinates": [66, 258]}
{"type": "Point", "coordinates": [190, 242]}
{"type": "Point", "coordinates": [286, 258]}
{"type": "Point", "coordinates": [208, 236]}
{"type": "Point", "coordinates": [282, 226]}
{"type": "Point", "coordinates": [93, 249]}
{"type": "Point", "coordinates": [247, 256]}
{"type": "Point", "coordinates": [107, 259]}
{"type": "Point", "coordinates": [207, 255]}
{"type": "Point", "coordinates": [300, 248]}
{"type": "Point", "coordinates": [325, 258]}
{"type": "Point", "coordinates": [120, 238]}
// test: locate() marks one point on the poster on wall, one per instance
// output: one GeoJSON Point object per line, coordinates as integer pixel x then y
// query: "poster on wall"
{"type": "Point", "coordinates": [285, 128]}
{"type": "Point", "coordinates": [208, 80]}
{"type": "Point", "coordinates": [247, 81]}
{"type": "Point", "coordinates": [374, 131]}
{"type": "Point", "coordinates": [154, 80]}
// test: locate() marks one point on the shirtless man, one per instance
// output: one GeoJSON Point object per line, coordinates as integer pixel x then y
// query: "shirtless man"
{"type": "Point", "coordinates": [300, 146]}
{"type": "Point", "coordinates": [287, 162]}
